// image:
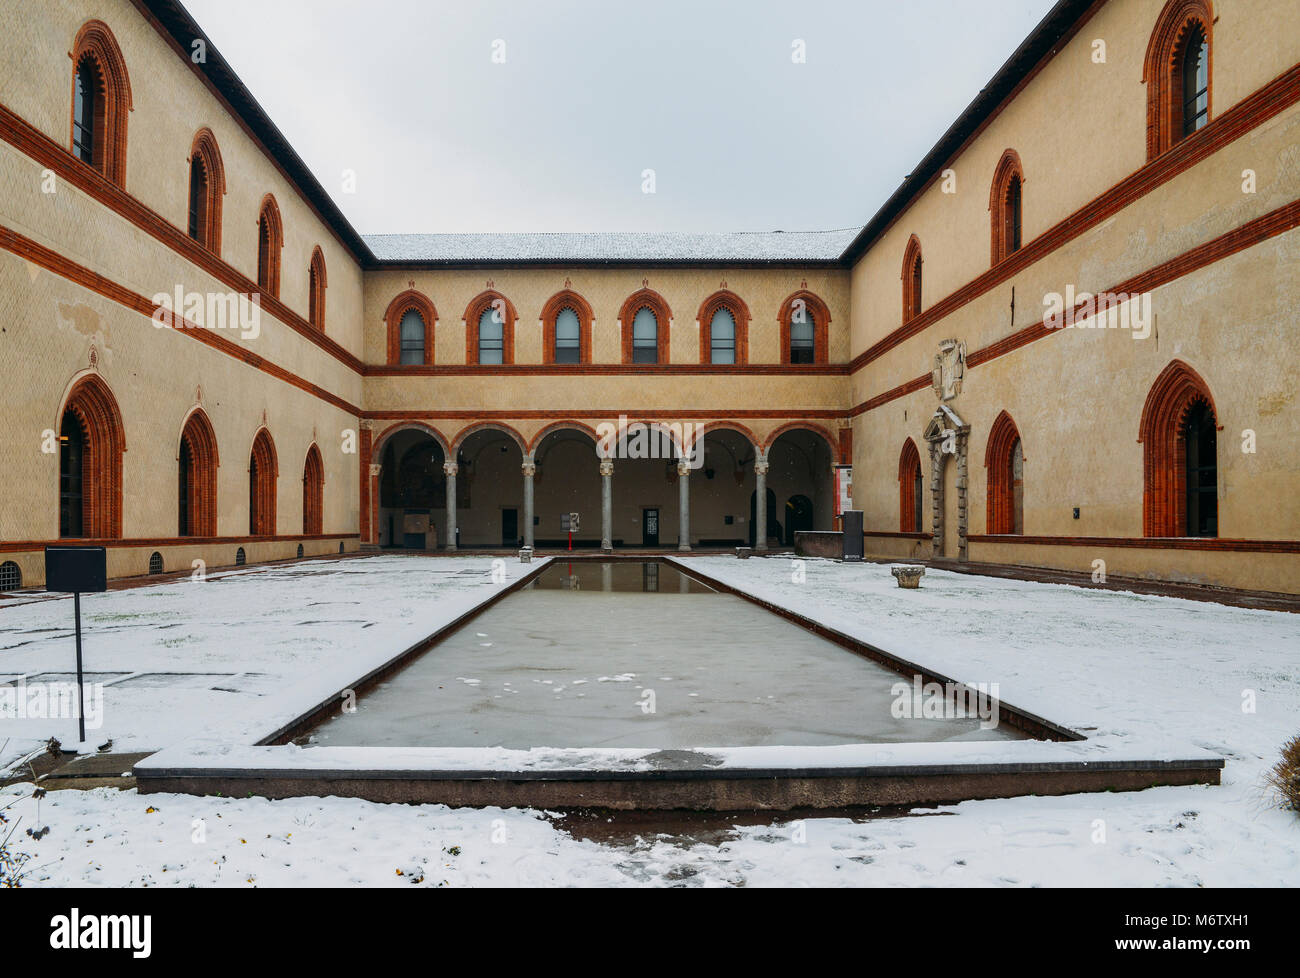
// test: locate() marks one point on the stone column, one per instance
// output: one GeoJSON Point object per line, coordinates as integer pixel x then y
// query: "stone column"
{"type": "Point", "coordinates": [760, 503]}
{"type": "Point", "coordinates": [529, 470]}
{"type": "Point", "coordinates": [961, 497]}
{"type": "Point", "coordinates": [450, 469]}
{"type": "Point", "coordinates": [684, 505]}
{"type": "Point", "coordinates": [936, 498]}
{"type": "Point", "coordinates": [606, 505]}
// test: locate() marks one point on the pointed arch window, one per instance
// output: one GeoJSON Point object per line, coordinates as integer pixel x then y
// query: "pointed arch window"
{"type": "Point", "coordinates": [262, 475]}
{"type": "Point", "coordinates": [491, 336]}
{"type": "Point", "coordinates": [911, 489]}
{"type": "Point", "coordinates": [316, 283]}
{"type": "Point", "coordinates": [270, 244]}
{"type": "Point", "coordinates": [912, 280]}
{"type": "Point", "coordinates": [101, 101]}
{"type": "Point", "coordinates": [1004, 459]}
{"type": "Point", "coordinates": [197, 479]}
{"type": "Point", "coordinates": [490, 330]}
{"type": "Point", "coordinates": [91, 443]}
{"type": "Point", "coordinates": [1006, 206]}
{"type": "Point", "coordinates": [1179, 433]}
{"type": "Point", "coordinates": [1178, 73]}
{"type": "Point", "coordinates": [645, 319]}
{"type": "Point", "coordinates": [313, 493]}
{"type": "Point", "coordinates": [207, 190]}
{"type": "Point", "coordinates": [724, 329]}
{"type": "Point", "coordinates": [568, 337]}
{"type": "Point", "coordinates": [804, 320]}
{"type": "Point", "coordinates": [566, 328]}
{"type": "Point", "coordinates": [410, 318]}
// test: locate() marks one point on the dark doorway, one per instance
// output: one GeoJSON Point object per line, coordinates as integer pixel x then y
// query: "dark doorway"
{"type": "Point", "coordinates": [798, 516]}
{"type": "Point", "coordinates": [773, 524]}
{"type": "Point", "coordinates": [1202, 472]}
{"type": "Point", "coordinates": [649, 527]}
{"type": "Point", "coordinates": [509, 527]}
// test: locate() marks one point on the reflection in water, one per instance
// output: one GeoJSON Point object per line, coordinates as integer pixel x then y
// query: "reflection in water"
{"type": "Point", "coordinates": [645, 577]}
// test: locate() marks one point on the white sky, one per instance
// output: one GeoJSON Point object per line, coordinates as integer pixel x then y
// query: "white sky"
{"type": "Point", "coordinates": [406, 94]}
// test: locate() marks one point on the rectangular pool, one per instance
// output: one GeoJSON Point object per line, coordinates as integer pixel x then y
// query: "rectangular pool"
{"type": "Point", "coordinates": [635, 654]}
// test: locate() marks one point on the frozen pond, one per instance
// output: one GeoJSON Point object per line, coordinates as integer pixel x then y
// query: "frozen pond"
{"type": "Point", "coordinates": [625, 654]}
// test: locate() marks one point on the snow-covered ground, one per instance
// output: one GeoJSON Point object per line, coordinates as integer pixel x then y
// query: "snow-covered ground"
{"type": "Point", "coordinates": [1133, 668]}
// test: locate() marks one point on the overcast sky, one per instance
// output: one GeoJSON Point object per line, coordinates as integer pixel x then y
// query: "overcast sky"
{"type": "Point", "coordinates": [442, 137]}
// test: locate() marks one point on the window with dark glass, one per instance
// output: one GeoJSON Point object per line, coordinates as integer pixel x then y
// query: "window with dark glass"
{"type": "Point", "coordinates": [183, 490]}
{"type": "Point", "coordinates": [645, 337]}
{"type": "Point", "coordinates": [88, 113]}
{"type": "Point", "coordinates": [722, 337]}
{"type": "Point", "coordinates": [491, 336]}
{"type": "Point", "coordinates": [198, 199]}
{"type": "Point", "coordinates": [802, 346]}
{"type": "Point", "coordinates": [1013, 215]}
{"type": "Point", "coordinates": [254, 510]}
{"type": "Point", "coordinates": [72, 453]}
{"type": "Point", "coordinates": [412, 338]}
{"type": "Point", "coordinates": [1202, 472]}
{"type": "Point", "coordinates": [1196, 82]}
{"type": "Point", "coordinates": [568, 337]}
{"type": "Point", "coordinates": [914, 295]}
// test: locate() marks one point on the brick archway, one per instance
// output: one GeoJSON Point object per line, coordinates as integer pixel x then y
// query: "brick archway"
{"type": "Point", "coordinates": [1160, 70]}
{"type": "Point", "coordinates": [198, 455]}
{"type": "Point", "coordinates": [1000, 510]}
{"type": "Point", "coordinates": [1176, 391]}
{"type": "Point", "coordinates": [313, 493]}
{"type": "Point", "coordinates": [263, 471]}
{"type": "Point", "coordinates": [96, 44]}
{"type": "Point", "coordinates": [93, 408]}
{"type": "Point", "coordinates": [909, 471]}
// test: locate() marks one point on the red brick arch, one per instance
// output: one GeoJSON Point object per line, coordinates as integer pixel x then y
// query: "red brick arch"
{"type": "Point", "coordinates": [645, 298]}
{"type": "Point", "coordinates": [459, 439]}
{"type": "Point", "coordinates": [270, 246]}
{"type": "Point", "coordinates": [95, 409]}
{"type": "Point", "coordinates": [380, 443]}
{"type": "Point", "coordinates": [95, 43]}
{"type": "Point", "coordinates": [474, 311]}
{"type": "Point", "coordinates": [556, 304]}
{"type": "Point", "coordinates": [734, 304]}
{"type": "Point", "coordinates": [204, 149]}
{"type": "Point", "coordinates": [1009, 169]}
{"type": "Point", "coordinates": [911, 279]}
{"type": "Point", "coordinates": [313, 492]}
{"type": "Point", "coordinates": [555, 426]}
{"type": "Point", "coordinates": [399, 307]}
{"type": "Point", "coordinates": [909, 465]}
{"type": "Point", "coordinates": [1000, 493]}
{"type": "Point", "coordinates": [1164, 453]}
{"type": "Point", "coordinates": [316, 283]}
{"type": "Point", "coordinates": [821, 314]}
{"type": "Point", "coordinates": [263, 471]}
{"type": "Point", "coordinates": [201, 478]}
{"type": "Point", "coordinates": [1160, 70]}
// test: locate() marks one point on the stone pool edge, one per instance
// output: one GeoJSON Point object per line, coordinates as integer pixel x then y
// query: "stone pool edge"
{"type": "Point", "coordinates": [716, 779]}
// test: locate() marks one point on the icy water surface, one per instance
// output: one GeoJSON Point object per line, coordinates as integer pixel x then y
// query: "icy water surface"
{"type": "Point", "coordinates": [624, 654]}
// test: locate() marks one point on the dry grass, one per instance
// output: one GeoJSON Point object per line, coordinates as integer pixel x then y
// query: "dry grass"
{"type": "Point", "coordinates": [1285, 777]}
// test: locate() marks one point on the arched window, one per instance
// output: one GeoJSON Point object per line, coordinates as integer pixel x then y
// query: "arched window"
{"type": "Point", "coordinates": [1178, 73]}
{"type": "Point", "coordinates": [566, 328]}
{"type": "Point", "coordinates": [645, 319]}
{"type": "Point", "coordinates": [912, 280]}
{"type": "Point", "coordinates": [91, 443]}
{"type": "Point", "coordinates": [911, 489]}
{"type": "Point", "coordinates": [410, 318]}
{"type": "Point", "coordinates": [313, 492]}
{"type": "Point", "coordinates": [568, 337]}
{"type": "Point", "coordinates": [262, 474]}
{"type": "Point", "coordinates": [1004, 459]}
{"type": "Point", "coordinates": [645, 336]}
{"type": "Point", "coordinates": [197, 478]}
{"type": "Point", "coordinates": [490, 329]}
{"type": "Point", "coordinates": [101, 99]}
{"type": "Point", "coordinates": [804, 319]}
{"type": "Point", "coordinates": [207, 189]}
{"type": "Point", "coordinates": [724, 329]}
{"type": "Point", "coordinates": [316, 290]}
{"type": "Point", "coordinates": [270, 243]}
{"type": "Point", "coordinates": [1179, 456]}
{"type": "Point", "coordinates": [1005, 206]}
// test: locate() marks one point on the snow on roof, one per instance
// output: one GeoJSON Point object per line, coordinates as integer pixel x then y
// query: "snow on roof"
{"type": "Point", "coordinates": [652, 246]}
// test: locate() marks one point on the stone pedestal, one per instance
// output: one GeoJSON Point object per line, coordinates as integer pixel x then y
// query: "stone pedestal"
{"type": "Point", "coordinates": [909, 575]}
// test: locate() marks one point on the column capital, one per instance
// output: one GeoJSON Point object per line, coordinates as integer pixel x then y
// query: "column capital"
{"type": "Point", "coordinates": [374, 470]}
{"type": "Point", "coordinates": [683, 468]}
{"type": "Point", "coordinates": [450, 468]}
{"type": "Point", "coordinates": [606, 468]}
{"type": "Point", "coordinates": [529, 468]}
{"type": "Point", "coordinates": [760, 468]}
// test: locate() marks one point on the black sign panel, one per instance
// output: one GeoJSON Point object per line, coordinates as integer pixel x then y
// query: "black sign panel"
{"type": "Point", "coordinates": [852, 534]}
{"type": "Point", "coordinates": [81, 569]}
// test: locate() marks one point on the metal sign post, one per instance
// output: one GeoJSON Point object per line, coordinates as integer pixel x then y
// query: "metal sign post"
{"type": "Point", "coordinates": [77, 569]}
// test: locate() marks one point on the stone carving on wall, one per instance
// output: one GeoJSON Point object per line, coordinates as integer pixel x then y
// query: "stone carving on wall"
{"type": "Point", "coordinates": [949, 368]}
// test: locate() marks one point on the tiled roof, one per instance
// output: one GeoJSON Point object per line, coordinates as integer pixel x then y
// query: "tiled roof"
{"type": "Point", "coordinates": [744, 246]}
